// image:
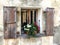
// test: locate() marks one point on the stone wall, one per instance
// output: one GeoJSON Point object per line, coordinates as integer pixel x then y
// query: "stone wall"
{"type": "Point", "coordinates": [56, 38]}
{"type": "Point", "coordinates": [43, 5]}
{"type": "Point", "coordinates": [48, 40]}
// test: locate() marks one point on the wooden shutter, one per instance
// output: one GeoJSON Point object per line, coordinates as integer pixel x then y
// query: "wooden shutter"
{"type": "Point", "coordinates": [9, 22]}
{"type": "Point", "coordinates": [12, 30]}
{"type": "Point", "coordinates": [49, 21]}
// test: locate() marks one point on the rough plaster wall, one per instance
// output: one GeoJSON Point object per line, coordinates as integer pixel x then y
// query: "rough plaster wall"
{"type": "Point", "coordinates": [31, 41]}
{"type": "Point", "coordinates": [1, 17]}
{"type": "Point", "coordinates": [57, 17]}
{"type": "Point", "coordinates": [18, 20]}
{"type": "Point", "coordinates": [44, 4]}
{"type": "Point", "coordinates": [56, 38]}
{"type": "Point", "coordinates": [57, 26]}
{"type": "Point", "coordinates": [19, 4]}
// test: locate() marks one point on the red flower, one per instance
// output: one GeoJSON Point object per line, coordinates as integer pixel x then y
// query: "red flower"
{"type": "Point", "coordinates": [38, 28]}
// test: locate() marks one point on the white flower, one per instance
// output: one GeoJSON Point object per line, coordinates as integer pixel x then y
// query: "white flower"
{"type": "Point", "coordinates": [24, 26]}
{"type": "Point", "coordinates": [26, 29]}
{"type": "Point", "coordinates": [28, 25]}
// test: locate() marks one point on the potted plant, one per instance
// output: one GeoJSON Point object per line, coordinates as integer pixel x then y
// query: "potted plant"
{"type": "Point", "coordinates": [30, 29]}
